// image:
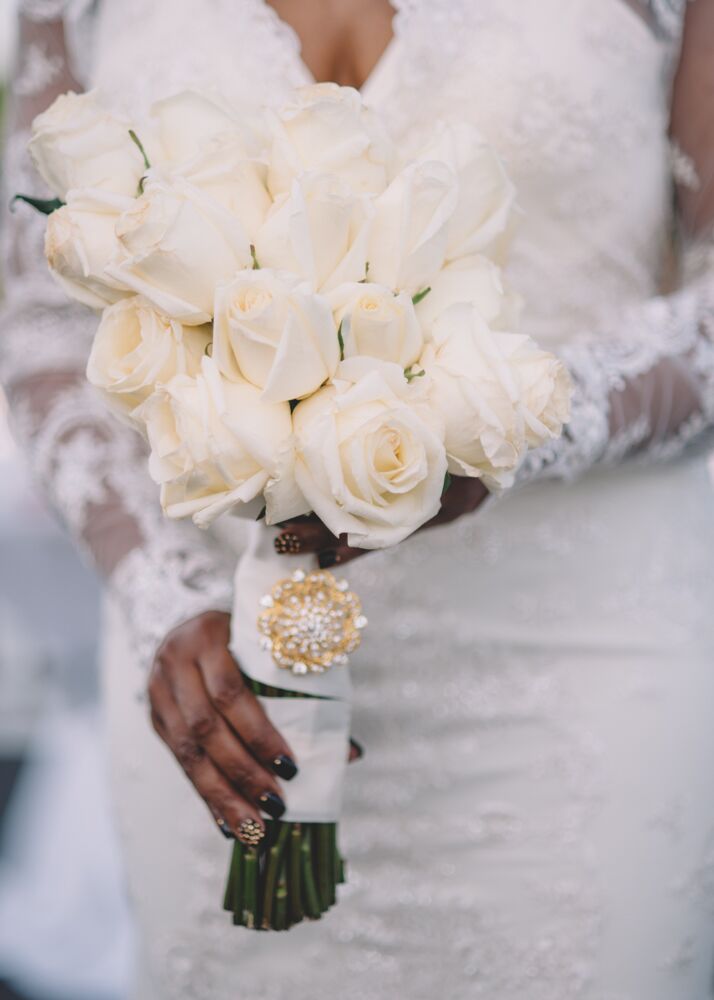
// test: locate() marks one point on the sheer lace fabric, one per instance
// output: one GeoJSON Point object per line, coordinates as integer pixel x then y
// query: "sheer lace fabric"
{"type": "Point", "coordinates": [645, 388]}
{"type": "Point", "coordinates": [93, 469]}
{"type": "Point", "coordinates": [535, 712]}
{"type": "Point", "coordinates": [644, 380]}
{"type": "Point", "coordinates": [664, 16]}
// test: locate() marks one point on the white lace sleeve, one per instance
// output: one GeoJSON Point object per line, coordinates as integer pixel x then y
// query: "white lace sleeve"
{"type": "Point", "coordinates": [645, 387]}
{"type": "Point", "coordinates": [92, 468]}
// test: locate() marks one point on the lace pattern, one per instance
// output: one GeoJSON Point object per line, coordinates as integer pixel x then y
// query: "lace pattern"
{"type": "Point", "coordinates": [92, 468]}
{"type": "Point", "coordinates": [77, 447]}
{"type": "Point", "coordinates": [491, 596]}
{"type": "Point", "coordinates": [43, 10]}
{"type": "Point", "coordinates": [170, 580]}
{"type": "Point", "coordinates": [40, 70]}
{"type": "Point", "coordinates": [668, 343]}
{"type": "Point", "coordinates": [667, 16]}
{"type": "Point", "coordinates": [684, 169]}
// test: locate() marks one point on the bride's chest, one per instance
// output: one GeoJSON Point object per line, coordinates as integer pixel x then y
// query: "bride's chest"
{"type": "Point", "coordinates": [572, 93]}
{"type": "Point", "coordinates": [547, 78]}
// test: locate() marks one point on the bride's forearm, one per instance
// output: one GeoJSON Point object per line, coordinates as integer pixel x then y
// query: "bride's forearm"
{"type": "Point", "coordinates": [645, 391]}
{"type": "Point", "coordinates": [91, 467]}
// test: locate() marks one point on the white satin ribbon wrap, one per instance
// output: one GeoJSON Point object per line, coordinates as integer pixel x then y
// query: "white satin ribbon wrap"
{"type": "Point", "coordinates": [317, 729]}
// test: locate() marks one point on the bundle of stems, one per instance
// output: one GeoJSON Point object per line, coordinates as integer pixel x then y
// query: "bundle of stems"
{"type": "Point", "coordinates": [292, 875]}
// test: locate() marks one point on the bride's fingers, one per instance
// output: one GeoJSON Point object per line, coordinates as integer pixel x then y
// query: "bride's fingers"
{"type": "Point", "coordinates": [241, 709]}
{"type": "Point", "coordinates": [227, 806]}
{"type": "Point", "coordinates": [463, 496]}
{"type": "Point", "coordinates": [226, 751]}
{"type": "Point", "coordinates": [298, 537]}
{"type": "Point", "coordinates": [311, 535]}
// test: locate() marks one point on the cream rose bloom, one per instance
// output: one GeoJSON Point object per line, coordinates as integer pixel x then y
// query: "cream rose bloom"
{"type": "Point", "coordinates": [136, 347]}
{"type": "Point", "coordinates": [370, 459]}
{"type": "Point", "coordinates": [178, 243]}
{"type": "Point", "coordinates": [190, 123]}
{"type": "Point", "coordinates": [474, 280]}
{"type": "Point", "coordinates": [226, 174]}
{"type": "Point", "coordinates": [409, 232]}
{"type": "Point", "coordinates": [474, 387]}
{"type": "Point", "coordinates": [377, 323]}
{"type": "Point", "coordinates": [214, 443]}
{"type": "Point", "coordinates": [325, 128]}
{"type": "Point", "coordinates": [80, 241]}
{"type": "Point", "coordinates": [76, 143]}
{"type": "Point", "coordinates": [545, 388]}
{"type": "Point", "coordinates": [271, 330]}
{"type": "Point", "coordinates": [486, 194]}
{"type": "Point", "coordinates": [319, 231]}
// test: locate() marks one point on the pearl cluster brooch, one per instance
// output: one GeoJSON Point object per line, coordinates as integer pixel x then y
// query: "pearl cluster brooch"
{"type": "Point", "coordinates": [311, 622]}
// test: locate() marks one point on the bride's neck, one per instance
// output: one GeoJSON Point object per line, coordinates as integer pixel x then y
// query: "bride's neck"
{"type": "Point", "coordinates": [341, 40]}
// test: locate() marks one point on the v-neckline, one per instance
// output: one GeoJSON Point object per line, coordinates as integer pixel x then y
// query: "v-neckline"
{"type": "Point", "coordinates": [310, 78]}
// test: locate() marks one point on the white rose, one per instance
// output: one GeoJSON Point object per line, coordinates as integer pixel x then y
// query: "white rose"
{"type": "Point", "coordinates": [269, 329]}
{"type": "Point", "coordinates": [486, 194]}
{"type": "Point", "coordinates": [135, 348]}
{"type": "Point", "coordinates": [369, 457]}
{"type": "Point", "coordinates": [376, 322]}
{"type": "Point", "coordinates": [76, 143]}
{"type": "Point", "coordinates": [237, 183]}
{"type": "Point", "coordinates": [214, 443]}
{"type": "Point", "coordinates": [80, 241]}
{"type": "Point", "coordinates": [319, 231]}
{"type": "Point", "coordinates": [326, 129]}
{"type": "Point", "coordinates": [474, 280]}
{"type": "Point", "coordinates": [178, 244]}
{"type": "Point", "coordinates": [190, 123]}
{"type": "Point", "coordinates": [545, 387]}
{"type": "Point", "coordinates": [408, 235]}
{"type": "Point", "coordinates": [477, 393]}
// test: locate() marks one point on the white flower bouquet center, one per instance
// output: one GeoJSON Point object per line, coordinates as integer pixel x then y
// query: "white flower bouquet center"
{"type": "Point", "coordinates": [299, 322]}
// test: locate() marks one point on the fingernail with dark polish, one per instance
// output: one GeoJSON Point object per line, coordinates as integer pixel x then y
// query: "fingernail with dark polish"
{"type": "Point", "coordinates": [272, 804]}
{"type": "Point", "coordinates": [327, 558]}
{"type": "Point", "coordinates": [285, 767]}
{"type": "Point", "coordinates": [225, 829]}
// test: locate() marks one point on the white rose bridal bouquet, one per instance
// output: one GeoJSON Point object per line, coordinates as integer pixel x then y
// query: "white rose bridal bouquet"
{"type": "Point", "coordinates": [299, 322]}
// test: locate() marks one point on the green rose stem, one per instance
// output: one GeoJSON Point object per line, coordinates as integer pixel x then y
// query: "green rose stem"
{"type": "Point", "coordinates": [297, 910]}
{"type": "Point", "coordinates": [321, 834]}
{"type": "Point", "coordinates": [250, 896]}
{"type": "Point", "coordinates": [332, 856]}
{"type": "Point", "coordinates": [312, 900]}
{"type": "Point", "coordinates": [231, 900]}
{"type": "Point", "coordinates": [341, 873]}
{"type": "Point", "coordinates": [238, 862]}
{"type": "Point", "coordinates": [275, 859]}
{"type": "Point", "coordinates": [280, 922]}
{"type": "Point", "coordinates": [292, 874]}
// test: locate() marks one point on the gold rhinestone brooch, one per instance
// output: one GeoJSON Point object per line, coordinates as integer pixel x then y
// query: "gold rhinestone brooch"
{"type": "Point", "coordinates": [311, 622]}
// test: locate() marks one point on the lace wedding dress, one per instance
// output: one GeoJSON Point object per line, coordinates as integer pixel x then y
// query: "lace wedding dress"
{"type": "Point", "coordinates": [534, 817]}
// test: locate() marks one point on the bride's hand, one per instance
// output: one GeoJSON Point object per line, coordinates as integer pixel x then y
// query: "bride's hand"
{"type": "Point", "coordinates": [216, 727]}
{"type": "Point", "coordinates": [309, 534]}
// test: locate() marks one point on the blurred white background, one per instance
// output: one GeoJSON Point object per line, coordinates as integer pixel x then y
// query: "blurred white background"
{"type": "Point", "coordinates": [7, 34]}
{"type": "Point", "coordinates": [65, 932]}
